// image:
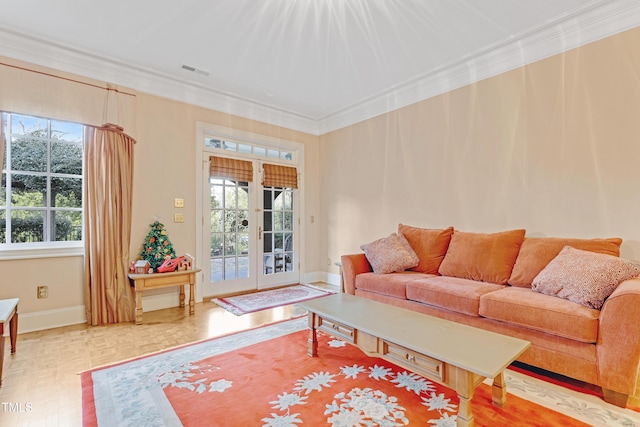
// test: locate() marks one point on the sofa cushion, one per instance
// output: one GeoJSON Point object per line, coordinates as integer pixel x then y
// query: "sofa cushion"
{"type": "Point", "coordinates": [484, 257]}
{"type": "Point", "coordinates": [537, 252]}
{"type": "Point", "coordinates": [390, 254]}
{"type": "Point", "coordinates": [583, 277]}
{"type": "Point", "coordinates": [451, 293]}
{"type": "Point", "coordinates": [524, 307]}
{"type": "Point", "coordinates": [392, 284]}
{"type": "Point", "coordinates": [429, 244]}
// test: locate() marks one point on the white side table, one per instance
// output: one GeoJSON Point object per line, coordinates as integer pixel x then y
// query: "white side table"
{"type": "Point", "coordinates": [8, 313]}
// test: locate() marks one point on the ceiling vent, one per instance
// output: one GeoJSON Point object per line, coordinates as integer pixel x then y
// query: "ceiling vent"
{"type": "Point", "coordinates": [195, 70]}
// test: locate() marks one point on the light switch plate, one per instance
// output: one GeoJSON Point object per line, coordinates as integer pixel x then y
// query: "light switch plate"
{"type": "Point", "coordinates": [178, 203]}
{"type": "Point", "coordinates": [178, 217]}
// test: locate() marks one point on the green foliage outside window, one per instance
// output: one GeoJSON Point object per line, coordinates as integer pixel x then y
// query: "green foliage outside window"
{"type": "Point", "coordinates": [45, 193]}
{"type": "Point", "coordinates": [229, 205]}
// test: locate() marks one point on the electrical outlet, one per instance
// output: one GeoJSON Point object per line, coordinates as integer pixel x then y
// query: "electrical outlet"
{"type": "Point", "coordinates": [43, 292]}
{"type": "Point", "coordinates": [328, 261]}
{"type": "Point", "coordinates": [178, 217]}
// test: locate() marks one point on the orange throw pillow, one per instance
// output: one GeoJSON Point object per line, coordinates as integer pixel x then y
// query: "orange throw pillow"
{"type": "Point", "coordinates": [537, 252]}
{"type": "Point", "coordinates": [483, 257]}
{"type": "Point", "coordinates": [429, 244]}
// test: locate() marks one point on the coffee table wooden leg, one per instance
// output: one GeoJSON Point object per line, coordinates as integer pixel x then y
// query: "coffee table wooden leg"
{"type": "Point", "coordinates": [192, 298]}
{"type": "Point", "coordinates": [138, 307]}
{"type": "Point", "coordinates": [13, 331]}
{"type": "Point", "coordinates": [464, 387]}
{"type": "Point", "coordinates": [499, 390]}
{"type": "Point", "coordinates": [182, 295]}
{"type": "Point", "coordinates": [312, 343]}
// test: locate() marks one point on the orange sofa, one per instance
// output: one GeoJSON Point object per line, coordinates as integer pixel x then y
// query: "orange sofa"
{"type": "Point", "coordinates": [489, 281]}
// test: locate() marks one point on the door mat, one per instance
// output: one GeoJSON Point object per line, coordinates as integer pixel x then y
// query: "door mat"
{"type": "Point", "coordinates": [250, 303]}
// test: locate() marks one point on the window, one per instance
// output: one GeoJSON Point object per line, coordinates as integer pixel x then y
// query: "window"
{"type": "Point", "coordinates": [248, 148]}
{"type": "Point", "coordinates": [41, 192]}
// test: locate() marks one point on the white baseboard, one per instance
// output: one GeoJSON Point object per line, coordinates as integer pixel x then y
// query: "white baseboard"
{"type": "Point", "coordinates": [321, 276]}
{"type": "Point", "coordinates": [49, 319]}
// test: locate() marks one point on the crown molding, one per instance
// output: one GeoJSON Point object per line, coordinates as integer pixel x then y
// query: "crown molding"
{"type": "Point", "coordinates": [586, 26]}
{"type": "Point", "coordinates": [40, 52]}
{"type": "Point", "coordinates": [597, 20]}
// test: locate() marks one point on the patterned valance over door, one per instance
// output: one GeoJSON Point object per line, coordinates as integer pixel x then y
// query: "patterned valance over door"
{"type": "Point", "coordinates": [280, 176]}
{"type": "Point", "coordinates": [236, 170]}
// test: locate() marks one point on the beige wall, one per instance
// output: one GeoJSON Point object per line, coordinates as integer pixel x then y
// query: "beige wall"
{"type": "Point", "coordinates": [165, 131]}
{"type": "Point", "coordinates": [553, 147]}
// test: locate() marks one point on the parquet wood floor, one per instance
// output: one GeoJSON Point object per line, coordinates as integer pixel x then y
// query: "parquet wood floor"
{"type": "Point", "coordinates": [41, 382]}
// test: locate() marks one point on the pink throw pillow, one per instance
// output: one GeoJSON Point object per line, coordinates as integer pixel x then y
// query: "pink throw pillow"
{"type": "Point", "coordinates": [390, 254]}
{"type": "Point", "coordinates": [584, 277]}
{"type": "Point", "coordinates": [537, 252]}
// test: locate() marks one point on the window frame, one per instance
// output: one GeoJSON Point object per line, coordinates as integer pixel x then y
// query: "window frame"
{"type": "Point", "coordinates": [46, 248]}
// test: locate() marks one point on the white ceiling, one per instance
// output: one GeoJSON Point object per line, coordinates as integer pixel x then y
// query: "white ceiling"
{"type": "Point", "coordinates": [311, 65]}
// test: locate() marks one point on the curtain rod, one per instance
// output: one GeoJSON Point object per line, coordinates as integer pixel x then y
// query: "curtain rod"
{"type": "Point", "coordinates": [68, 79]}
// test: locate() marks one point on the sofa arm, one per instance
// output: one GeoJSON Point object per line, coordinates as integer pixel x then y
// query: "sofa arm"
{"type": "Point", "coordinates": [618, 349]}
{"type": "Point", "coordinates": [352, 265]}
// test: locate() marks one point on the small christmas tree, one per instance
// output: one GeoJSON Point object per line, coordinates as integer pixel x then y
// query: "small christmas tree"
{"type": "Point", "coordinates": [157, 246]}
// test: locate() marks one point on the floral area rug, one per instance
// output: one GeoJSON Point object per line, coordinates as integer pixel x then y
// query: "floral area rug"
{"type": "Point", "coordinates": [249, 303]}
{"type": "Point", "coordinates": [264, 377]}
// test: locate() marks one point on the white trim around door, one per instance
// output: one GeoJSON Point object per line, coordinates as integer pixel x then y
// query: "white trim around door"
{"type": "Point", "coordinates": [213, 140]}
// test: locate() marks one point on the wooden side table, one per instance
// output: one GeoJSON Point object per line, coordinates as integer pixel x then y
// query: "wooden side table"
{"type": "Point", "coordinates": [8, 313]}
{"type": "Point", "coordinates": [143, 282]}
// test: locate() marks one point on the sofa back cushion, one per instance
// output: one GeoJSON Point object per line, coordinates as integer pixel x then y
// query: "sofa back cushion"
{"type": "Point", "coordinates": [537, 252]}
{"type": "Point", "coordinates": [430, 245]}
{"type": "Point", "coordinates": [484, 257]}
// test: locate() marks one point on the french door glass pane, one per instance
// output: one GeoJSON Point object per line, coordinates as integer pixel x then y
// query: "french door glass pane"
{"type": "Point", "coordinates": [229, 268]}
{"type": "Point", "coordinates": [278, 230]}
{"type": "Point", "coordinates": [243, 267]}
{"type": "Point", "coordinates": [229, 244]}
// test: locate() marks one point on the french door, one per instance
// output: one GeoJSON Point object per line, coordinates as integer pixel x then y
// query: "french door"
{"type": "Point", "coordinates": [251, 236]}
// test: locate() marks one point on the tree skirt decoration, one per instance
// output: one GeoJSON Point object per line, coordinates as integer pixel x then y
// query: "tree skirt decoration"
{"type": "Point", "coordinates": [256, 301]}
{"type": "Point", "coordinates": [264, 377]}
{"type": "Point", "coordinates": [157, 246]}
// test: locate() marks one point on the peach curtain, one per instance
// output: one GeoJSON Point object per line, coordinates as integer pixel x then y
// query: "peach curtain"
{"type": "Point", "coordinates": [279, 176]}
{"type": "Point", "coordinates": [107, 213]}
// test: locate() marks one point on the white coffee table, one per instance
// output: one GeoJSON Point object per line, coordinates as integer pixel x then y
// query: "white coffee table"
{"type": "Point", "coordinates": [457, 356]}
